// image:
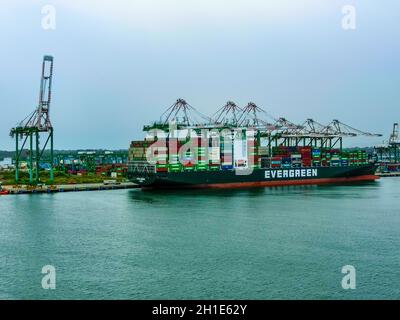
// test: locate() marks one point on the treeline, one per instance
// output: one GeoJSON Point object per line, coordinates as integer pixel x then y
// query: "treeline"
{"type": "Point", "coordinates": [6, 154]}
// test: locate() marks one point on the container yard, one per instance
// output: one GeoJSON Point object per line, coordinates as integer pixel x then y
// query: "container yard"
{"type": "Point", "coordinates": [38, 168]}
{"type": "Point", "coordinates": [388, 155]}
{"type": "Point", "coordinates": [105, 163]}
{"type": "Point", "coordinates": [244, 147]}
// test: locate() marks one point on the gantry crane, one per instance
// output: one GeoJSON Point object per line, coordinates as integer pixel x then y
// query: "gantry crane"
{"type": "Point", "coordinates": [36, 124]}
{"type": "Point", "coordinates": [389, 152]}
{"type": "Point", "coordinates": [277, 131]}
{"type": "Point", "coordinates": [394, 137]}
{"type": "Point", "coordinates": [182, 115]}
{"type": "Point", "coordinates": [228, 115]}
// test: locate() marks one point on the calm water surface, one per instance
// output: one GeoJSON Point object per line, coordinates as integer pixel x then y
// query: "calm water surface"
{"type": "Point", "coordinates": [272, 243]}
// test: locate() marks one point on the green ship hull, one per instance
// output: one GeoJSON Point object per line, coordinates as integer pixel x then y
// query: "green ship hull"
{"type": "Point", "coordinates": [255, 178]}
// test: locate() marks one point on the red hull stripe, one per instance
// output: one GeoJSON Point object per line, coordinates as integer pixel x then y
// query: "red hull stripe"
{"type": "Point", "coordinates": [286, 182]}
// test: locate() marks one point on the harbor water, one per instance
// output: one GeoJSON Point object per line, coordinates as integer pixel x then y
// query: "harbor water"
{"type": "Point", "coordinates": [266, 243]}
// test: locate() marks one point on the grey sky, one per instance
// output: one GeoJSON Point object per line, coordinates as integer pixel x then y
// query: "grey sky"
{"type": "Point", "coordinates": [119, 64]}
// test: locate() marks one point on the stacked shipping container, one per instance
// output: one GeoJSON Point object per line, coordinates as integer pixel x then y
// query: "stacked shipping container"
{"type": "Point", "coordinates": [228, 152]}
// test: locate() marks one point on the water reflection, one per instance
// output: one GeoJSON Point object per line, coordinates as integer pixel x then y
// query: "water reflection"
{"type": "Point", "coordinates": [352, 190]}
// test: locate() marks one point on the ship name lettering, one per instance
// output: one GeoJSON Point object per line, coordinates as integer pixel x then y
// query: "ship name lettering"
{"type": "Point", "coordinates": [296, 173]}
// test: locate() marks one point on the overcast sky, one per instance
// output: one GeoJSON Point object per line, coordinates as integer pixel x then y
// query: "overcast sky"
{"type": "Point", "coordinates": [119, 64]}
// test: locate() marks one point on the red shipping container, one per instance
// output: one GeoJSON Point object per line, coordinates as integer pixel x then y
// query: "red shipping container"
{"type": "Point", "coordinates": [189, 164]}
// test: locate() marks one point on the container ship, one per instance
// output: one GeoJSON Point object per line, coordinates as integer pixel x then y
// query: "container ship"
{"type": "Point", "coordinates": [242, 147]}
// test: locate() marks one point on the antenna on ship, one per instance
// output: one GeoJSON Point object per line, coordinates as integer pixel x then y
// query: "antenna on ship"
{"type": "Point", "coordinates": [36, 124]}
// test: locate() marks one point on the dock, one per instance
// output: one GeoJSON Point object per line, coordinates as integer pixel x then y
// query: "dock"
{"type": "Point", "coordinates": [388, 174]}
{"type": "Point", "coordinates": [27, 189]}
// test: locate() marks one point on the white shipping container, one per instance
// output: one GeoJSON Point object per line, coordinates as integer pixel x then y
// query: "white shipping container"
{"type": "Point", "coordinates": [240, 148]}
{"type": "Point", "coordinates": [214, 153]}
{"type": "Point", "coordinates": [251, 134]}
{"type": "Point", "coordinates": [240, 153]}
